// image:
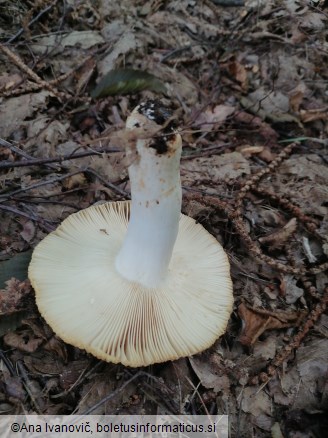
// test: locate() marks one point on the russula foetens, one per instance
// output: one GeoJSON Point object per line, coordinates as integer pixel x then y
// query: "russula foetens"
{"type": "Point", "coordinates": [136, 282]}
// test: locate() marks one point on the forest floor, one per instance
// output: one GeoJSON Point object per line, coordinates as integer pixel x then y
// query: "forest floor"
{"type": "Point", "coordinates": [251, 84]}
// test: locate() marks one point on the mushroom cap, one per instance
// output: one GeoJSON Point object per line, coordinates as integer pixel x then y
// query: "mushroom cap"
{"type": "Point", "coordinates": [89, 305]}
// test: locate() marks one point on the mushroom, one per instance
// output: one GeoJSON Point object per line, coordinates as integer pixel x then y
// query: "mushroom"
{"type": "Point", "coordinates": [136, 282]}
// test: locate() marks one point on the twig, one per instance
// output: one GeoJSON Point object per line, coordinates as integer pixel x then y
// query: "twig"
{"type": "Point", "coordinates": [28, 386]}
{"type": "Point", "coordinates": [39, 184]}
{"type": "Point", "coordinates": [20, 64]}
{"type": "Point", "coordinates": [113, 394]}
{"type": "Point", "coordinates": [15, 149]}
{"type": "Point", "coordinates": [19, 151]}
{"type": "Point", "coordinates": [35, 19]}
{"type": "Point", "coordinates": [42, 222]}
{"type": "Point", "coordinates": [106, 183]}
{"type": "Point", "coordinates": [38, 161]}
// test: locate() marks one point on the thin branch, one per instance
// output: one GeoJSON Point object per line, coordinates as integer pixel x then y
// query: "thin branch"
{"type": "Point", "coordinates": [39, 184]}
{"type": "Point", "coordinates": [42, 222]}
{"type": "Point", "coordinates": [20, 64]}
{"type": "Point", "coordinates": [113, 394]}
{"type": "Point", "coordinates": [12, 148]}
{"type": "Point", "coordinates": [34, 20]}
{"type": "Point", "coordinates": [39, 161]}
{"type": "Point", "coordinates": [107, 184]}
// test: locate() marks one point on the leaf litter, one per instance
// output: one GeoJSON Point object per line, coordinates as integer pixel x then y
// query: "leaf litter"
{"type": "Point", "coordinates": [247, 79]}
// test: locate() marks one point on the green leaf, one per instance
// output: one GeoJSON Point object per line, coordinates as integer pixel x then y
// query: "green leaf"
{"type": "Point", "coordinates": [127, 81]}
{"type": "Point", "coordinates": [16, 267]}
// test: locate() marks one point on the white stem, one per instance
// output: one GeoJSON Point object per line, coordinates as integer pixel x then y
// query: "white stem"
{"type": "Point", "coordinates": [155, 213]}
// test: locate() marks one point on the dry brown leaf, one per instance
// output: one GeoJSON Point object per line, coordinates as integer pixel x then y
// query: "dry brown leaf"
{"type": "Point", "coordinates": [98, 388]}
{"type": "Point", "coordinates": [263, 128]}
{"type": "Point", "coordinates": [15, 110]}
{"type": "Point", "coordinates": [23, 341]}
{"type": "Point", "coordinates": [126, 43]}
{"type": "Point", "coordinates": [211, 118]}
{"type": "Point", "coordinates": [312, 115]}
{"type": "Point", "coordinates": [74, 181]}
{"type": "Point", "coordinates": [28, 230]}
{"type": "Point", "coordinates": [216, 168]}
{"type": "Point", "coordinates": [43, 363]}
{"type": "Point", "coordinates": [14, 387]}
{"type": "Point", "coordinates": [72, 371]}
{"type": "Point", "coordinates": [279, 238]}
{"type": "Point", "coordinates": [257, 321]}
{"type": "Point", "coordinates": [54, 345]}
{"type": "Point", "coordinates": [251, 150]}
{"type": "Point", "coordinates": [296, 97]}
{"type": "Point", "coordinates": [239, 72]}
{"type": "Point", "coordinates": [211, 372]}
{"type": "Point", "coordinates": [12, 298]}
{"type": "Point", "coordinates": [289, 290]}
{"type": "Point", "coordinates": [84, 74]}
{"type": "Point", "coordinates": [8, 81]}
{"type": "Point", "coordinates": [84, 39]}
{"type": "Point", "coordinates": [255, 402]}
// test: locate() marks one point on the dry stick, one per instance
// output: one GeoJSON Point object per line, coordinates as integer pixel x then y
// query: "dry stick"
{"type": "Point", "coordinates": [42, 222]}
{"type": "Point", "coordinates": [34, 20]}
{"type": "Point", "coordinates": [107, 184]}
{"type": "Point", "coordinates": [28, 386]}
{"type": "Point", "coordinates": [163, 392]}
{"type": "Point", "coordinates": [38, 161]}
{"type": "Point", "coordinates": [7, 196]}
{"type": "Point", "coordinates": [113, 394]}
{"type": "Point", "coordinates": [18, 151]}
{"type": "Point", "coordinates": [20, 64]}
{"type": "Point", "coordinates": [15, 149]}
{"type": "Point", "coordinates": [39, 184]}
{"type": "Point", "coordinates": [54, 82]}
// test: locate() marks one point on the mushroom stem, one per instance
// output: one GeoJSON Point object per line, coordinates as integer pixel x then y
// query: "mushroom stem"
{"type": "Point", "coordinates": [155, 207]}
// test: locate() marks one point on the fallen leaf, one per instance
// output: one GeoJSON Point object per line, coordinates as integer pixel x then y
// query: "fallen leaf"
{"type": "Point", "coordinates": [43, 363]}
{"type": "Point", "coordinates": [28, 230]}
{"type": "Point", "coordinates": [23, 341]}
{"type": "Point", "coordinates": [289, 290]}
{"type": "Point", "coordinates": [255, 402]}
{"type": "Point", "coordinates": [252, 121]}
{"type": "Point", "coordinates": [127, 81]}
{"type": "Point", "coordinates": [57, 347]}
{"type": "Point", "coordinates": [72, 372]}
{"type": "Point", "coordinates": [14, 387]}
{"type": "Point", "coordinates": [312, 115]}
{"type": "Point", "coordinates": [12, 297]}
{"type": "Point", "coordinates": [279, 238]}
{"type": "Point", "coordinates": [19, 109]}
{"type": "Point", "coordinates": [251, 150]}
{"type": "Point", "coordinates": [215, 168]}
{"type": "Point", "coordinates": [239, 72]}
{"type": "Point", "coordinates": [57, 43]}
{"type": "Point", "coordinates": [125, 44]}
{"type": "Point", "coordinates": [212, 118]}
{"type": "Point", "coordinates": [211, 372]}
{"type": "Point", "coordinates": [257, 321]}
